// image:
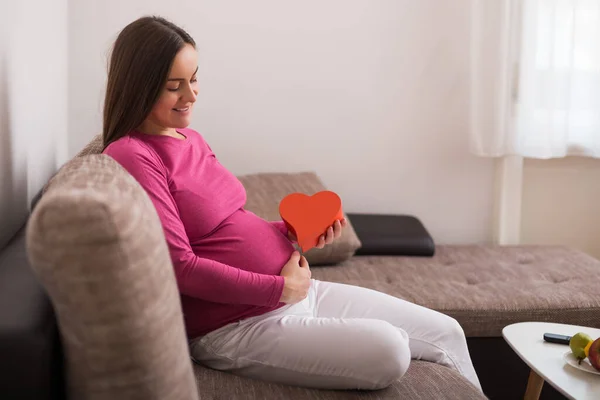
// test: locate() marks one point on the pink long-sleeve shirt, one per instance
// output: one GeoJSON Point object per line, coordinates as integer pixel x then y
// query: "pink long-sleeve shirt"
{"type": "Point", "coordinates": [227, 260]}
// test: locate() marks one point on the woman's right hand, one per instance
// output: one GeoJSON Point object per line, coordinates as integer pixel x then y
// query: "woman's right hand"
{"type": "Point", "coordinates": [296, 275]}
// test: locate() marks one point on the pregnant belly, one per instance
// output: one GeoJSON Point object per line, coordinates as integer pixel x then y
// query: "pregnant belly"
{"type": "Point", "coordinates": [248, 242]}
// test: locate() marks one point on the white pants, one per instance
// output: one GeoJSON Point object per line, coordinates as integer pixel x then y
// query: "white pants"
{"type": "Point", "coordinates": [339, 337]}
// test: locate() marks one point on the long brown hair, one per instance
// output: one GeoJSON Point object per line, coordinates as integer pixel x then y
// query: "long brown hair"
{"type": "Point", "coordinates": [139, 66]}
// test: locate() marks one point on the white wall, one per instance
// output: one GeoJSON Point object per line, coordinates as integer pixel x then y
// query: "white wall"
{"type": "Point", "coordinates": [370, 94]}
{"type": "Point", "coordinates": [560, 203]}
{"type": "Point", "coordinates": [33, 103]}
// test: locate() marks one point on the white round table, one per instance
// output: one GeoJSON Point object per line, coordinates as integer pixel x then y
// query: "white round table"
{"type": "Point", "coordinates": [546, 360]}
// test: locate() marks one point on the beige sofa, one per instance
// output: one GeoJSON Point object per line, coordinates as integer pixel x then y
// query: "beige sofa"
{"type": "Point", "coordinates": [96, 245]}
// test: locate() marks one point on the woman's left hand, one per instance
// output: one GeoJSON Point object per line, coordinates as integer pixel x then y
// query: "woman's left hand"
{"type": "Point", "coordinates": [332, 233]}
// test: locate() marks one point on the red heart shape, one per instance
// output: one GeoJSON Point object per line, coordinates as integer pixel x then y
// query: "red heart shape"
{"type": "Point", "coordinates": [308, 217]}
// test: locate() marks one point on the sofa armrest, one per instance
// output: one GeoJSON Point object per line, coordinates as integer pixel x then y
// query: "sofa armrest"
{"type": "Point", "coordinates": [31, 362]}
{"type": "Point", "coordinates": [398, 235]}
{"type": "Point", "coordinates": [97, 246]}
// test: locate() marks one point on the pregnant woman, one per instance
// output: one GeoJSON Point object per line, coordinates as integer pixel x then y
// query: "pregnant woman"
{"type": "Point", "coordinates": [249, 303]}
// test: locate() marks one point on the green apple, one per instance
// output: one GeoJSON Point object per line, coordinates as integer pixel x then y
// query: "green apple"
{"type": "Point", "coordinates": [578, 343]}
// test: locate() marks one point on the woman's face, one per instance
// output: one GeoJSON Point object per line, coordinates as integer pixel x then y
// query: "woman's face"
{"type": "Point", "coordinates": [174, 106]}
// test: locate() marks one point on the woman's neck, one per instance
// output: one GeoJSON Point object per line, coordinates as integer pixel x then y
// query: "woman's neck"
{"type": "Point", "coordinates": [151, 128]}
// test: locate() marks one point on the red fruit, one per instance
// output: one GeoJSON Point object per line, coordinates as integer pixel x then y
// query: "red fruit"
{"type": "Point", "coordinates": [594, 355]}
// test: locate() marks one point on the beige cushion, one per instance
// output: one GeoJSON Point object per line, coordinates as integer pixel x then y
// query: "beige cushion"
{"type": "Point", "coordinates": [486, 287]}
{"type": "Point", "coordinates": [266, 190]}
{"type": "Point", "coordinates": [97, 246]}
{"type": "Point", "coordinates": [95, 146]}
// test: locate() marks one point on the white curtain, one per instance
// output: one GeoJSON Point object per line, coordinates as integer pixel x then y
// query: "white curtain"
{"type": "Point", "coordinates": [535, 78]}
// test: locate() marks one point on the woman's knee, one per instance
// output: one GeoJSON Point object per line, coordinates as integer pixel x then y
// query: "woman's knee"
{"type": "Point", "coordinates": [453, 330]}
{"type": "Point", "coordinates": [391, 358]}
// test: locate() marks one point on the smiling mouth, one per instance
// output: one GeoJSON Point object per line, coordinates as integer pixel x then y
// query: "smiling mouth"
{"type": "Point", "coordinates": [181, 109]}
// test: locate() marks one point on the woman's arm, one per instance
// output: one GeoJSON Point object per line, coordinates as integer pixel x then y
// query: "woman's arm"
{"type": "Point", "coordinates": [196, 277]}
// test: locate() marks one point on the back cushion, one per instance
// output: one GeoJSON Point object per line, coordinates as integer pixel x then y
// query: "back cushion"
{"type": "Point", "coordinates": [95, 146]}
{"type": "Point", "coordinates": [266, 190]}
{"type": "Point", "coordinates": [97, 246]}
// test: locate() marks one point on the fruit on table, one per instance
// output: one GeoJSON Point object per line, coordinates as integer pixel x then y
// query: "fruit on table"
{"type": "Point", "coordinates": [587, 349]}
{"type": "Point", "coordinates": [594, 355]}
{"type": "Point", "coordinates": [578, 343]}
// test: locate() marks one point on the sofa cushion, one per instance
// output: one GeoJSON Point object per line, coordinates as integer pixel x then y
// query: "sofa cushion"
{"type": "Point", "coordinates": [97, 246]}
{"type": "Point", "coordinates": [392, 235]}
{"type": "Point", "coordinates": [486, 287]}
{"type": "Point", "coordinates": [422, 381]}
{"type": "Point", "coordinates": [266, 190]}
{"type": "Point", "coordinates": [94, 146]}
